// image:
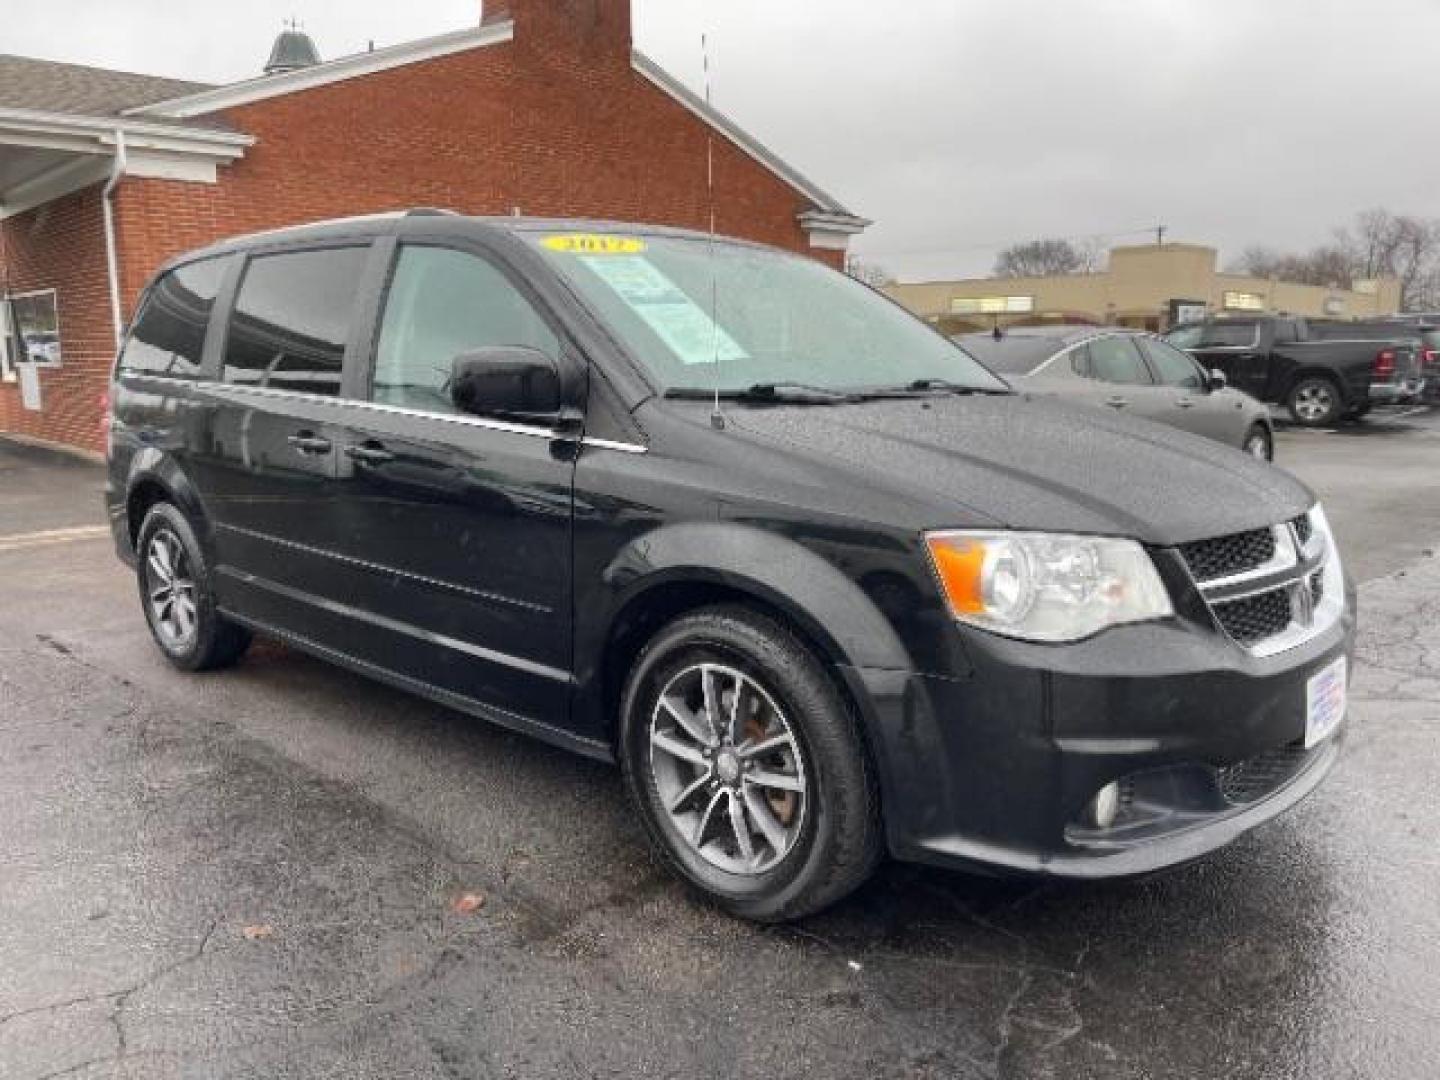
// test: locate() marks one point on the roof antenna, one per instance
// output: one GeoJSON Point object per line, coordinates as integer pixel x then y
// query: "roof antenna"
{"type": "Point", "coordinates": [717, 419]}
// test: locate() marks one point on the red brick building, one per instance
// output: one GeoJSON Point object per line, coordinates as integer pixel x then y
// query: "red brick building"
{"type": "Point", "coordinates": [544, 107]}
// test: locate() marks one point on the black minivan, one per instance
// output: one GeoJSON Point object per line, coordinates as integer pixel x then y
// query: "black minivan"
{"type": "Point", "coordinates": [822, 584]}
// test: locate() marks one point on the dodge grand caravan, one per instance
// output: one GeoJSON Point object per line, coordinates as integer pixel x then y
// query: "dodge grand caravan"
{"type": "Point", "coordinates": [822, 584]}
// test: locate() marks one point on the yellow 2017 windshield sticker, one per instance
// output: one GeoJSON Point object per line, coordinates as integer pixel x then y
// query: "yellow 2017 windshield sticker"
{"type": "Point", "coordinates": [595, 244]}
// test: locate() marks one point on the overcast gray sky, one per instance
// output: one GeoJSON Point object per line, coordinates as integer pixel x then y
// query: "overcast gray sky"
{"type": "Point", "coordinates": [963, 125]}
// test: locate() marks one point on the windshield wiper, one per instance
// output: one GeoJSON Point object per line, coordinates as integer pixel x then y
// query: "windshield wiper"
{"type": "Point", "coordinates": [791, 393]}
{"type": "Point", "coordinates": [955, 388]}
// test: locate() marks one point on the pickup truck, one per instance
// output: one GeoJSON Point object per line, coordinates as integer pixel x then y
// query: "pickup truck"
{"type": "Point", "coordinates": [1321, 370]}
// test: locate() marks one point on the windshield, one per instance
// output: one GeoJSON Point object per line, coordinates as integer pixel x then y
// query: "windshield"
{"type": "Point", "coordinates": [777, 318]}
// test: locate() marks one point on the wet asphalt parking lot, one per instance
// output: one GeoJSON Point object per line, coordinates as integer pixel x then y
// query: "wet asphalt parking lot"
{"type": "Point", "coordinates": [275, 872]}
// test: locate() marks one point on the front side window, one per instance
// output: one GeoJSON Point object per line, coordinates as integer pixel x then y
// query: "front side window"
{"type": "Point", "coordinates": [1228, 334]}
{"type": "Point", "coordinates": [1172, 367]}
{"type": "Point", "coordinates": [1116, 360]}
{"type": "Point", "coordinates": [443, 303]}
{"type": "Point", "coordinates": [702, 316]}
{"type": "Point", "coordinates": [168, 337]}
{"type": "Point", "coordinates": [291, 320]}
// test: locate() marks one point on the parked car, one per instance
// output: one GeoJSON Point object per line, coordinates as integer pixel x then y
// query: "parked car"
{"type": "Point", "coordinates": [821, 583]}
{"type": "Point", "coordinates": [1130, 371]}
{"type": "Point", "coordinates": [1288, 361]}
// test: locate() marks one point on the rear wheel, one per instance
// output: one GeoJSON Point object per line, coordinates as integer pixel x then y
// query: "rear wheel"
{"type": "Point", "coordinates": [1258, 443]}
{"type": "Point", "coordinates": [1315, 401]}
{"type": "Point", "coordinates": [177, 597]}
{"type": "Point", "coordinates": [747, 766]}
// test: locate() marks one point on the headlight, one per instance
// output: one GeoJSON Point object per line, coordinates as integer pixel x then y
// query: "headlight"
{"type": "Point", "coordinates": [1043, 587]}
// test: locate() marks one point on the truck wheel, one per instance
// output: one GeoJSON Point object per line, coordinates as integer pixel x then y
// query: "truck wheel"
{"type": "Point", "coordinates": [747, 766]}
{"type": "Point", "coordinates": [1259, 444]}
{"type": "Point", "coordinates": [1315, 402]}
{"type": "Point", "coordinates": [177, 595]}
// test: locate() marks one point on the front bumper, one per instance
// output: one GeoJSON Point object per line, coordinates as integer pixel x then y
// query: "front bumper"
{"type": "Point", "coordinates": [995, 770]}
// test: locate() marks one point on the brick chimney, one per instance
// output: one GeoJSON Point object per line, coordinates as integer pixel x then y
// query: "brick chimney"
{"type": "Point", "coordinates": [592, 27]}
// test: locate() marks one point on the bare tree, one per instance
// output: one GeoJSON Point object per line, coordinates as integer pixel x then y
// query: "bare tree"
{"type": "Point", "coordinates": [1039, 258]}
{"type": "Point", "coordinates": [1378, 243]}
{"type": "Point", "coordinates": [1093, 253]}
{"type": "Point", "coordinates": [872, 274]}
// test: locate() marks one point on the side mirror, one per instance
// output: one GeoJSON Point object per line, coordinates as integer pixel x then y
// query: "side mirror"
{"type": "Point", "coordinates": [505, 380]}
{"type": "Point", "coordinates": [1216, 381]}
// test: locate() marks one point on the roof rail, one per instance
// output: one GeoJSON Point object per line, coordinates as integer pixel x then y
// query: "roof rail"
{"type": "Point", "coordinates": [430, 211]}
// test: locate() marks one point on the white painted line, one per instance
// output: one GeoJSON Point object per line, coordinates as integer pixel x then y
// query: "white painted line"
{"type": "Point", "coordinates": [47, 537]}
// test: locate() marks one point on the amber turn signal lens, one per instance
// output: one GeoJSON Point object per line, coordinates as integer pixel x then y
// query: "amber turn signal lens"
{"type": "Point", "coordinates": [959, 563]}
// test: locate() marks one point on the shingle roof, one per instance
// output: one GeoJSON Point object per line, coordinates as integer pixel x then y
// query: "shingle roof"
{"type": "Point", "coordinates": [48, 86]}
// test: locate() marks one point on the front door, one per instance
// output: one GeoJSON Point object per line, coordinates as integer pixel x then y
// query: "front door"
{"type": "Point", "coordinates": [456, 528]}
{"type": "Point", "coordinates": [1235, 348]}
{"type": "Point", "coordinates": [1186, 400]}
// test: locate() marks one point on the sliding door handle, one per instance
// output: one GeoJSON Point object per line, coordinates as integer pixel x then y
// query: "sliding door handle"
{"type": "Point", "coordinates": [307, 442]}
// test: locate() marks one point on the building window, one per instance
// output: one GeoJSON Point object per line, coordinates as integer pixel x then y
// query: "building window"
{"type": "Point", "coordinates": [992, 305]}
{"type": "Point", "coordinates": [1243, 301]}
{"type": "Point", "coordinates": [32, 330]}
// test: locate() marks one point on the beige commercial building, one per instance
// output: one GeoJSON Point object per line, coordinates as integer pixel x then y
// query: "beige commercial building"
{"type": "Point", "coordinates": [1151, 286]}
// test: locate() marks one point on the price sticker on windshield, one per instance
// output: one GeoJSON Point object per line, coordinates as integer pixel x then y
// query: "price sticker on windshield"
{"type": "Point", "coordinates": [594, 244]}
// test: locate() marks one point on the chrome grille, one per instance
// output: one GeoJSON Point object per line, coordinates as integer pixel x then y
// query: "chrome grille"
{"type": "Point", "coordinates": [1255, 618]}
{"type": "Point", "coordinates": [1226, 555]}
{"type": "Point", "coordinates": [1266, 588]}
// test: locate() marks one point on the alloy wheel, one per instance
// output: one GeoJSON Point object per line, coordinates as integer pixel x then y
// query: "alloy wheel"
{"type": "Point", "coordinates": [1313, 401]}
{"type": "Point", "coordinates": [1258, 446]}
{"type": "Point", "coordinates": [170, 590]}
{"type": "Point", "coordinates": [728, 768]}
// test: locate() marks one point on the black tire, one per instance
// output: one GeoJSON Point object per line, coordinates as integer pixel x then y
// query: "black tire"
{"type": "Point", "coordinates": [836, 832]}
{"type": "Point", "coordinates": [1259, 443]}
{"type": "Point", "coordinates": [212, 641]}
{"type": "Point", "coordinates": [1315, 401]}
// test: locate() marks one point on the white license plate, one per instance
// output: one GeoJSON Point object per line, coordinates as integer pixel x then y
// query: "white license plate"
{"type": "Point", "coordinates": [1324, 702]}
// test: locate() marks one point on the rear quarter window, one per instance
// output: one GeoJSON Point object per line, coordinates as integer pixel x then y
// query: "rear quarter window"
{"type": "Point", "coordinates": [168, 336]}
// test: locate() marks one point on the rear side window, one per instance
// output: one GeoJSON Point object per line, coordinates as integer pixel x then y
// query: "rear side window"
{"type": "Point", "coordinates": [443, 303]}
{"type": "Point", "coordinates": [1116, 360]}
{"type": "Point", "coordinates": [291, 319]}
{"type": "Point", "coordinates": [168, 337]}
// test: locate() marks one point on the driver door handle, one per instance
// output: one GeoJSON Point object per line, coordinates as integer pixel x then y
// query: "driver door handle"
{"type": "Point", "coordinates": [1185, 402]}
{"type": "Point", "coordinates": [1117, 402]}
{"type": "Point", "coordinates": [370, 453]}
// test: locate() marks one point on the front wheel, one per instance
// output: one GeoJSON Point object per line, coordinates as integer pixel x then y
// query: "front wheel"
{"type": "Point", "coordinates": [1258, 443]}
{"type": "Point", "coordinates": [1315, 402]}
{"type": "Point", "coordinates": [747, 766]}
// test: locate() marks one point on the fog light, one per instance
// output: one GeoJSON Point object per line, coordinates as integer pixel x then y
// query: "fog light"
{"type": "Point", "coordinates": [1105, 806]}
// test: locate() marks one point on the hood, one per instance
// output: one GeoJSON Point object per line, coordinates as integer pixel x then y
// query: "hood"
{"type": "Point", "coordinates": [1029, 462]}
